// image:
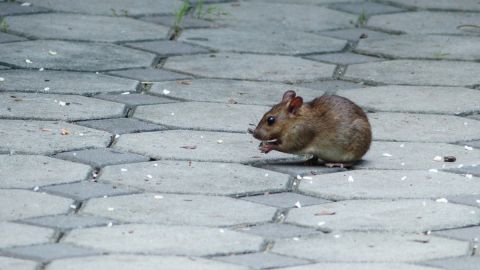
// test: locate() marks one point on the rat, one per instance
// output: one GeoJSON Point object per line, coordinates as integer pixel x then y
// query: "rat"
{"type": "Point", "coordinates": [330, 127]}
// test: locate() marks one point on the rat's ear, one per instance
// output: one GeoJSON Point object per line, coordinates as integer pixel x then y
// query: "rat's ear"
{"type": "Point", "coordinates": [288, 95]}
{"type": "Point", "coordinates": [295, 104]}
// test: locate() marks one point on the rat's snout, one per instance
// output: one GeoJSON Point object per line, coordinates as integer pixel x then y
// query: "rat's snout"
{"type": "Point", "coordinates": [251, 130]}
{"type": "Point", "coordinates": [254, 132]}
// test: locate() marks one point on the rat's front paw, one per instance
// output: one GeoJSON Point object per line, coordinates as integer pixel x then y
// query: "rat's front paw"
{"type": "Point", "coordinates": [265, 148]}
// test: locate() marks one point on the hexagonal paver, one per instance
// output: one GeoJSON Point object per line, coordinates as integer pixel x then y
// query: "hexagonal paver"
{"type": "Point", "coordinates": [472, 199]}
{"type": "Point", "coordinates": [466, 234]}
{"type": "Point", "coordinates": [345, 58]}
{"type": "Point", "coordinates": [188, 21]}
{"type": "Point", "coordinates": [133, 99]}
{"type": "Point", "coordinates": [47, 137]}
{"type": "Point", "coordinates": [64, 82]}
{"type": "Point", "coordinates": [162, 239]}
{"type": "Point", "coordinates": [4, 37]}
{"type": "Point", "coordinates": [416, 156]}
{"type": "Point", "coordinates": [56, 107]}
{"type": "Point", "coordinates": [175, 209]}
{"type": "Point", "coordinates": [16, 264]}
{"type": "Point", "coordinates": [332, 85]}
{"type": "Point", "coordinates": [416, 99]}
{"type": "Point", "coordinates": [262, 260]}
{"type": "Point", "coordinates": [121, 125]}
{"type": "Point", "coordinates": [460, 263]}
{"type": "Point", "coordinates": [231, 91]}
{"type": "Point", "coordinates": [417, 72]}
{"type": "Point", "coordinates": [426, 22]}
{"type": "Point", "coordinates": [87, 189]}
{"type": "Point", "coordinates": [355, 34]}
{"type": "Point", "coordinates": [69, 222]}
{"type": "Point", "coordinates": [300, 168]}
{"type": "Point", "coordinates": [279, 230]}
{"type": "Point", "coordinates": [367, 8]}
{"type": "Point", "coordinates": [371, 247]}
{"type": "Point", "coordinates": [17, 8]}
{"type": "Point", "coordinates": [461, 5]}
{"type": "Point", "coordinates": [17, 204]}
{"type": "Point", "coordinates": [391, 184]}
{"type": "Point", "coordinates": [285, 200]}
{"type": "Point", "coordinates": [383, 215]}
{"type": "Point", "coordinates": [13, 234]}
{"type": "Point", "coordinates": [49, 252]}
{"type": "Point", "coordinates": [29, 171]}
{"type": "Point", "coordinates": [168, 47]}
{"type": "Point", "coordinates": [266, 41]}
{"type": "Point", "coordinates": [362, 266]}
{"type": "Point", "coordinates": [94, 56]}
{"type": "Point", "coordinates": [195, 177]}
{"type": "Point", "coordinates": [197, 146]}
{"type": "Point", "coordinates": [203, 116]}
{"type": "Point", "coordinates": [423, 127]}
{"type": "Point", "coordinates": [113, 7]}
{"type": "Point", "coordinates": [250, 66]}
{"type": "Point", "coordinates": [146, 262]}
{"type": "Point", "coordinates": [432, 47]}
{"type": "Point", "coordinates": [150, 74]}
{"type": "Point", "coordinates": [100, 157]}
{"type": "Point", "coordinates": [84, 27]}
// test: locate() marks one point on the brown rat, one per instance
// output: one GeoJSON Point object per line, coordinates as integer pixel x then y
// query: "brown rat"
{"type": "Point", "coordinates": [330, 127]}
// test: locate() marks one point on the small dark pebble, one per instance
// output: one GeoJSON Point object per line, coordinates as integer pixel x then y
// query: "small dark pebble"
{"type": "Point", "coordinates": [449, 159]}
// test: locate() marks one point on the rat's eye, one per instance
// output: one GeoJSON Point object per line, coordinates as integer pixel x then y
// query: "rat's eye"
{"type": "Point", "coordinates": [271, 120]}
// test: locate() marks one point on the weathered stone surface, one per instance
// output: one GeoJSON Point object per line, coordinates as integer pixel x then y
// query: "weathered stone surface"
{"type": "Point", "coordinates": [45, 137]}
{"type": "Point", "coordinates": [168, 47]}
{"type": "Point", "coordinates": [371, 247]}
{"type": "Point", "coordinates": [94, 56]}
{"type": "Point", "coordinates": [4, 37]}
{"type": "Point", "coordinates": [195, 177]}
{"type": "Point", "coordinates": [135, 99]}
{"type": "Point", "coordinates": [417, 72]}
{"type": "Point", "coordinates": [278, 230]}
{"type": "Point", "coordinates": [231, 91]}
{"type": "Point", "coordinates": [124, 262]}
{"type": "Point", "coordinates": [389, 184]}
{"type": "Point", "coordinates": [16, 264]}
{"type": "Point", "coordinates": [84, 27]}
{"type": "Point", "coordinates": [188, 21]}
{"type": "Point", "coordinates": [113, 7]}
{"type": "Point", "coordinates": [64, 82]}
{"type": "Point", "coordinates": [13, 234]}
{"type": "Point", "coordinates": [17, 8]}
{"type": "Point", "coordinates": [18, 204]}
{"type": "Point", "coordinates": [308, 2]}
{"type": "Point", "coordinates": [203, 116]}
{"type": "Point", "coordinates": [161, 239]}
{"type": "Point", "coordinates": [250, 66]}
{"type": "Point", "coordinates": [426, 22]}
{"type": "Point", "coordinates": [262, 260]}
{"type": "Point", "coordinates": [56, 107]}
{"type": "Point", "coordinates": [434, 47]}
{"type": "Point", "coordinates": [121, 125]}
{"type": "Point", "coordinates": [473, 199]}
{"type": "Point", "coordinates": [300, 168]}
{"type": "Point", "coordinates": [332, 86]}
{"type": "Point", "coordinates": [416, 99]}
{"type": "Point", "coordinates": [362, 266]}
{"type": "Point", "coordinates": [48, 252]}
{"type": "Point", "coordinates": [87, 189]}
{"type": "Point", "coordinates": [210, 146]}
{"type": "Point", "coordinates": [367, 8]}
{"type": "Point", "coordinates": [101, 157]}
{"type": "Point", "coordinates": [29, 171]}
{"type": "Point", "coordinates": [474, 170]}
{"type": "Point", "coordinates": [150, 74]}
{"type": "Point", "coordinates": [459, 263]}
{"type": "Point", "coordinates": [346, 58]}
{"type": "Point", "coordinates": [355, 34]}
{"type": "Point", "coordinates": [285, 200]}
{"type": "Point", "coordinates": [68, 222]}
{"type": "Point", "coordinates": [416, 156]}
{"type": "Point", "coordinates": [461, 5]}
{"type": "Point", "coordinates": [466, 234]}
{"type": "Point", "coordinates": [422, 127]}
{"type": "Point", "coordinates": [266, 41]}
{"type": "Point", "coordinates": [174, 209]}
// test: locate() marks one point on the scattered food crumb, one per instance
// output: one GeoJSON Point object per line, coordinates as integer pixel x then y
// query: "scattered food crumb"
{"type": "Point", "coordinates": [437, 158]}
{"type": "Point", "coordinates": [336, 236]}
{"type": "Point", "coordinates": [149, 176]}
{"type": "Point", "coordinates": [433, 170]}
{"type": "Point", "coordinates": [62, 103]}
{"type": "Point", "coordinates": [2, 79]}
{"type": "Point", "coordinates": [296, 239]}
{"type": "Point", "coordinates": [402, 145]}
{"type": "Point", "coordinates": [166, 92]}
{"type": "Point", "coordinates": [299, 177]}
{"type": "Point", "coordinates": [73, 206]}
{"type": "Point", "coordinates": [172, 113]}
{"type": "Point", "coordinates": [222, 231]}
{"type": "Point", "coordinates": [158, 197]}
{"type": "Point", "coordinates": [123, 169]}
{"type": "Point", "coordinates": [41, 69]}
{"type": "Point", "coordinates": [46, 89]}
{"type": "Point", "coordinates": [325, 213]}
{"type": "Point", "coordinates": [469, 148]}
{"type": "Point", "coordinates": [386, 155]}
{"type": "Point", "coordinates": [155, 165]}
{"type": "Point", "coordinates": [28, 61]}
{"type": "Point", "coordinates": [307, 178]}
{"type": "Point", "coordinates": [36, 188]}
{"type": "Point", "coordinates": [117, 136]}
{"type": "Point", "coordinates": [460, 166]}
{"type": "Point", "coordinates": [321, 223]}
{"type": "Point", "coordinates": [266, 175]}
{"type": "Point", "coordinates": [26, 4]}
{"type": "Point", "coordinates": [350, 178]}
{"type": "Point", "coordinates": [64, 131]}
{"type": "Point", "coordinates": [110, 224]}
{"type": "Point", "coordinates": [469, 176]}
{"type": "Point", "coordinates": [219, 141]}
{"type": "Point", "coordinates": [52, 52]}
{"type": "Point", "coordinates": [403, 163]}
{"type": "Point", "coordinates": [403, 178]}
{"type": "Point", "coordinates": [110, 208]}
{"type": "Point", "coordinates": [298, 205]}
{"type": "Point", "coordinates": [442, 200]}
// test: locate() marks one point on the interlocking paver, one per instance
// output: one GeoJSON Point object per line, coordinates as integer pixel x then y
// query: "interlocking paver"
{"type": "Point", "coordinates": [368, 8]}
{"type": "Point", "coordinates": [278, 230]}
{"type": "Point", "coordinates": [466, 234]}
{"type": "Point", "coordinates": [168, 47]}
{"type": "Point", "coordinates": [459, 263]}
{"type": "Point", "coordinates": [188, 21]}
{"type": "Point", "coordinates": [162, 239]}
{"type": "Point", "coordinates": [69, 222]}
{"type": "Point", "coordinates": [4, 37]}
{"type": "Point", "coordinates": [49, 252]}
{"type": "Point", "coordinates": [29, 171]}
{"type": "Point", "coordinates": [262, 260]}
{"type": "Point", "coordinates": [84, 27]}
{"type": "Point", "coordinates": [355, 34]}
{"type": "Point", "coordinates": [133, 99]}
{"type": "Point", "coordinates": [300, 168]}
{"type": "Point", "coordinates": [16, 8]}
{"type": "Point", "coordinates": [473, 170]}
{"type": "Point", "coordinates": [343, 58]}
{"type": "Point", "coordinates": [362, 266]}
{"type": "Point", "coordinates": [87, 189]}
{"type": "Point", "coordinates": [285, 200]}
{"type": "Point", "coordinates": [461, 5]}
{"type": "Point", "coordinates": [150, 74]}
{"type": "Point", "coordinates": [195, 177]}
{"type": "Point", "coordinates": [121, 125]}
{"type": "Point", "coordinates": [332, 85]}
{"type": "Point", "coordinates": [16, 264]}
{"type": "Point", "coordinates": [473, 199]}
{"type": "Point", "coordinates": [13, 234]}
{"type": "Point", "coordinates": [101, 157]}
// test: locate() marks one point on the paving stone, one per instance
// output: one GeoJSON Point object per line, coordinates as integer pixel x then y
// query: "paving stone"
{"type": "Point", "coordinates": [278, 230]}
{"type": "Point", "coordinates": [466, 199]}
{"type": "Point", "coordinates": [300, 168]}
{"type": "Point", "coordinates": [262, 260]}
{"type": "Point", "coordinates": [230, 91]}
{"type": "Point", "coordinates": [459, 263]}
{"type": "Point", "coordinates": [371, 247]}
{"type": "Point", "coordinates": [29, 171]}
{"type": "Point", "coordinates": [188, 21]}
{"type": "Point", "coordinates": [4, 37]}
{"type": "Point", "coordinates": [95, 56]}
{"type": "Point", "coordinates": [252, 67]}
{"type": "Point", "coordinates": [84, 27]}
{"type": "Point", "coordinates": [49, 252]}
{"type": "Point", "coordinates": [4, 67]}
{"type": "Point", "coordinates": [285, 200]}
{"type": "Point", "coordinates": [162, 239]}
{"type": "Point", "coordinates": [146, 262]}
{"type": "Point", "coordinates": [367, 8]}
{"type": "Point", "coordinates": [150, 74]}
{"type": "Point", "coordinates": [332, 86]}
{"type": "Point", "coordinates": [195, 177]}
{"type": "Point", "coordinates": [432, 47]}
{"type": "Point", "coordinates": [416, 99]}
{"type": "Point", "coordinates": [16, 8]}
{"type": "Point", "coordinates": [56, 107]}
{"type": "Point", "coordinates": [101, 157]}
{"type": "Point", "coordinates": [355, 34]}
{"type": "Point", "coordinates": [113, 7]}
{"type": "Point", "coordinates": [269, 41]}
{"type": "Point", "coordinates": [416, 156]}
{"type": "Point", "coordinates": [422, 127]}
{"type": "Point", "coordinates": [18, 204]}
{"type": "Point", "coordinates": [466, 234]}
{"type": "Point", "coordinates": [426, 22]}
{"type": "Point", "coordinates": [87, 189]}
{"type": "Point", "coordinates": [12, 234]}
{"type": "Point", "coordinates": [474, 170]}
{"type": "Point", "coordinates": [389, 184]}
{"type": "Point", "coordinates": [308, 2]}
{"type": "Point", "coordinates": [135, 99]}
{"type": "Point", "coordinates": [385, 215]}
{"type": "Point", "coordinates": [203, 116]}
{"type": "Point", "coordinates": [462, 5]}
{"type": "Point", "coordinates": [121, 125]}
{"type": "Point", "coordinates": [16, 264]}
{"type": "Point", "coordinates": [417, 72]}
{"type": "Point", "coordinates": [64, 82]}
{"type": "Point", "coordinates": [45, 137]}
{"type": "Point", "coordinates": [362, 266]}
{"type": "Point", "coordinates": [69, 222]}
{"type": "Point", "coordinates": [343, 58]}
{"type": "Point", "coordinates": [174, 209]}
{"type": "Point", "coordinates": [168, 47]}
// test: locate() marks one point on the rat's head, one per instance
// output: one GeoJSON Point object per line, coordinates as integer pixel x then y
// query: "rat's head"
{"type": "Point", "coordinates": [277, 120]}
